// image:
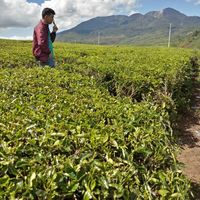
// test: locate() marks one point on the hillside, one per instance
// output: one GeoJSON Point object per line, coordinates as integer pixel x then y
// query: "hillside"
{"type": "Point", "coordinates": [149, 29]}
{"type": "Point", "coordinates": [191, 40]}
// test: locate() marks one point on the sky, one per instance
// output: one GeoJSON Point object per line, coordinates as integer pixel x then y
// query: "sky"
{"type": "Point", "coordinates": [18, 17]}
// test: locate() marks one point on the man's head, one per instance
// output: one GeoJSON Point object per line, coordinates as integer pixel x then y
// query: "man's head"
{"type": "Point", "coordinates": [48, 15]}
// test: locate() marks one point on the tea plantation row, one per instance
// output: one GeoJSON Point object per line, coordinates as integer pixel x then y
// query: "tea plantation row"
{"type": "Point", "coordinates": [98, 126]}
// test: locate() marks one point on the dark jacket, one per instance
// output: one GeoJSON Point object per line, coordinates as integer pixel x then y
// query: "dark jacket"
{"type": "Point", "coordinates": [41, 49]}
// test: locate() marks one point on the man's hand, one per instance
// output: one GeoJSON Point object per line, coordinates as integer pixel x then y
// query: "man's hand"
{"type": "Point", "coordinates": [55, 28]}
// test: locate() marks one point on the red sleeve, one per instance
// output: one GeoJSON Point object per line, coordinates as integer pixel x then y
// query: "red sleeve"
{"type": "Point", "coordinates": [42, 36]}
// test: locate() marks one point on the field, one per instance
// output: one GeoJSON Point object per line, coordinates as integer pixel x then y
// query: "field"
{"type": "Point", "coordinates": [98, 126]}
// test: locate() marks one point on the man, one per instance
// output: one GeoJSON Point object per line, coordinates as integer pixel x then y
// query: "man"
{"type": "Point", "coordinates": [43, 39]}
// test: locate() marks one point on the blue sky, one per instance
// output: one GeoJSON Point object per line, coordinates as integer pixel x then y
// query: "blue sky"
{"type": "Point", "coordinates": [37, 1]}
{"type": "Point", "coordinates": [18, 17]}
{"type": "Point", "coordinates": [187, 7]}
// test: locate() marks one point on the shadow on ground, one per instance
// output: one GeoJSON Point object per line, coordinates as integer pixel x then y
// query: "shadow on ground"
{"type": "Point", "coordinates": [196, 191]}
{"type": "Point", "coordinates": [188, 138]}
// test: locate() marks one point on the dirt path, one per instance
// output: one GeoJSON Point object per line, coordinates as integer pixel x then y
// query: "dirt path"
{"type": "Point", "coordinates": [189, 139]}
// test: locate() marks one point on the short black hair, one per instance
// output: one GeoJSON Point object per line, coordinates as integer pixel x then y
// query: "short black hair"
{"type": "Point", "coordinates": [47, 11]}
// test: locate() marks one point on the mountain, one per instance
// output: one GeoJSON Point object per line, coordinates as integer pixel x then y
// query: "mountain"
{"type": "Point", "coordinates": [149, 29]}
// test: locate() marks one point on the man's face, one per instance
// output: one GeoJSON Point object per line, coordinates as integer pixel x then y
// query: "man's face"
{"type": "Point", "coordinates": [49, 19]}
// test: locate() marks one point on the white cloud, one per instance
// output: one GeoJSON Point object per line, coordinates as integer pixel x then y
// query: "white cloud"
{"type": "Point", "coordinates": [72, 12]}
{"type": "Point", "coordinates": [20, 13]}
{"type": "Point", "coordinates": [17, 37]}
{"type": "Point", "coordinates": [196, 2]}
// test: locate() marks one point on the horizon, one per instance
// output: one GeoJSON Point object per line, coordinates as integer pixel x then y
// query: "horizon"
{"type": "Point", "coordinates": [15, 25]}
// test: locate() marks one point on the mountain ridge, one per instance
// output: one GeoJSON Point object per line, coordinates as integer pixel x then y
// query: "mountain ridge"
{"type": "Point", "coordinates": [139, 29]}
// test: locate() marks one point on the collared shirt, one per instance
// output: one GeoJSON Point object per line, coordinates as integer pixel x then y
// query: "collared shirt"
{"type": "Point", "coordinates": [41, 48]}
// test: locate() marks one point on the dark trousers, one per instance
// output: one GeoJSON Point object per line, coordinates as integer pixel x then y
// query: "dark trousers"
{"type": "Point", "coordinates": [50, 63]}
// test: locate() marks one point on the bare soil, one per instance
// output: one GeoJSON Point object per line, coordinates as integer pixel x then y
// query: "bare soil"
{"type": "Point", "coordinates": [189, 140]}
{"type": "Point", "coordinates": [190, 144]}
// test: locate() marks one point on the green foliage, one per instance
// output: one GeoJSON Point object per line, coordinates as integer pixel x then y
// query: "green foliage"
{"type": "Point", "coordinates": [95, 127]}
